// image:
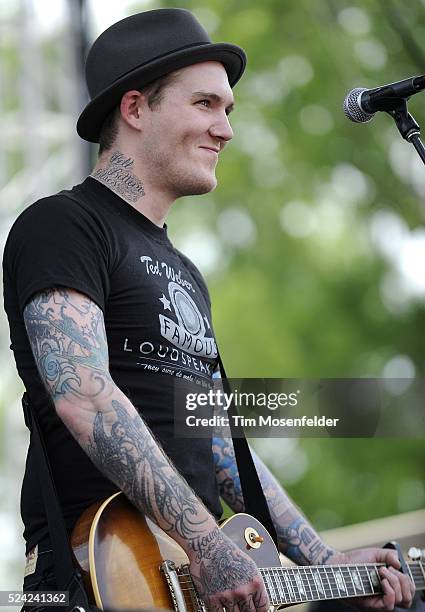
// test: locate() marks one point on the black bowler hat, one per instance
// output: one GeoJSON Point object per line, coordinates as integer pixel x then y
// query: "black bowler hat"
{"type": "Point", "coordinates": [141, 48]}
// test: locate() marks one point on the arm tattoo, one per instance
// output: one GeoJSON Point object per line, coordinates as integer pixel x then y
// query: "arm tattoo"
{"type": "Point", "coordinates": [67, 338]}
{"type": "Point", "coordinates": [296, 537]}
{"type": "Point", "coordinates": [227, 474]}
{"type": "Point", "coordinates": [130, 458]}
{"type": "Point", "coordinates": [231, 570]}
{"type": "Point", "coordinates": [118, 176]}
{"type": "Point", "coordinates": [302, 544]}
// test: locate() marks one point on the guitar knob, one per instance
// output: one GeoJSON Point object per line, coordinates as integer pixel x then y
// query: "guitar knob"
{"type": "Point", "coordinates": [415, 554]}
{"type": "Point", "coordinates": [253, 538]}
{"type": "Point", "coordinates": [256, 538]}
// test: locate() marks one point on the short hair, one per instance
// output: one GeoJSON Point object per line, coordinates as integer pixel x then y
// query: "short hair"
{"type": "Point", "coordinates": [154, 93]}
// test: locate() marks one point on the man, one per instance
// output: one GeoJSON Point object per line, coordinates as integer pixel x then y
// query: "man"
{"type": "Point", "coordinates": [106, 315]}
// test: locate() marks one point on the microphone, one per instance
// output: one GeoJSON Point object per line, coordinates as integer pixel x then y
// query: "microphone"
{"type": "Point", "coordinates": [361, 104]}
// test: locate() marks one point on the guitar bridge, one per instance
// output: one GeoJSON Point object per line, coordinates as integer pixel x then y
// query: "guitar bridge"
{"type": "Point", "coordinates": [176, 577]}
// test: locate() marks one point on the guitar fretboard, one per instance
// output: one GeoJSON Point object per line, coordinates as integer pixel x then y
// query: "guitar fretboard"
{"type": "Point", "coordinates": [300, 584]}
{"type": "Point", "coordinates": [314, 583]}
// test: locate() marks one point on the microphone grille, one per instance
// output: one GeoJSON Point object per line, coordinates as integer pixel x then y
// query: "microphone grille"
{"type": "Point", "coordinates": [352, 106]}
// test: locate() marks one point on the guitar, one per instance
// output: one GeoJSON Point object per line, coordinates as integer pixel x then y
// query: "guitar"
{"type": "Point", "coordinates": [128, 562]}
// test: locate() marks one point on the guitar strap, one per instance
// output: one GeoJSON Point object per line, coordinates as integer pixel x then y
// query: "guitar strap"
{"type": "Point", "coordinates": [253, 494]}
{"type": "Point", "coordinates": [68, 578]}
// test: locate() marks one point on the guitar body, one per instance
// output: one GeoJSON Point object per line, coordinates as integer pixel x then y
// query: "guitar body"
{"type": "Point", "coordinates": [128, 562]}
{"type": "Point", "coordinates": [120, 551]}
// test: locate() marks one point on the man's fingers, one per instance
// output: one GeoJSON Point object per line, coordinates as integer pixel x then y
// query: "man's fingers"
{"type": "Point", "coordinates": [261, 600]}
{"type": "Point", "coordinates": [393, 560]}
{"type": "Point", "coordinates": [231, 604]}
{"type": "Point", "coordinates": [228, 605]}
{"type": "Point", "coordinates": [398, 586]}
{"type": "Point", "coordinates": [245, 605]}
{"type": "Point", "coordinates": [213, 605]}
{"type": "Point", "coordinates": [388, 597]}
{"type": "Point", "coordinates": [407, 588]}
{"type": "Point", "coordinates": [393, 577]}
{"type": "Point", "coordinates": [254, 602]}
{"type": "Point", "coordinates": [387, 556]}
{"type": "Point", "coordinates": [246, 598]}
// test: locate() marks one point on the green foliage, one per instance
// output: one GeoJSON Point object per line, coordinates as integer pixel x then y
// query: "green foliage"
{"type": "Point", "coordinates": [329, 302]}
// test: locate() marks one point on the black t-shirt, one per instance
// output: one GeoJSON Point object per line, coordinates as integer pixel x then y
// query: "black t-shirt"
{"type": "Point", "coordinates": [158, 325]}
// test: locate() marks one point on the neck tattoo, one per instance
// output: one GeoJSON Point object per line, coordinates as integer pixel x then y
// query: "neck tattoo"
{"type": "Point", "coordinates": [118, 176]}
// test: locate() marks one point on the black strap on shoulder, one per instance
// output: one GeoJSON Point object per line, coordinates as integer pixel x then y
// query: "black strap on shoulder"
{"type": "Point", "coordinates": [62, 555]}
{"type": "Point", "coordinates": [253, 494]}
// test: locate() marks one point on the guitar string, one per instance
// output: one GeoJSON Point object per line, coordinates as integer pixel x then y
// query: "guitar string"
{"type": "Point", "coordinates": [363, 567]}
{"type": "Point", "coordinates": [288, 598]}
{"type": "Point", "coordinates": [334, 586]}
{"type": "Point", "coordinates": [297, 597]}
{"type": "Point", "coordinates": [285, 573]}
{"type": "Point", "coordinates": [309, 582]}
{"type": "Point", "coordinates": [299, 594]}
{"type": "Point", "coordinates": [418, 575]}
{"type": "Point", "coordinates": [308, 568]}
{"type": "Point", "coordinates": [334, 589]}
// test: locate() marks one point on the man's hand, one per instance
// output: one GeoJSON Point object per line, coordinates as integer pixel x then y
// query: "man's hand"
{"type": "Point", "coordinates": [225, 577]}
{"type": "Point", "coordinates": [398, 589]}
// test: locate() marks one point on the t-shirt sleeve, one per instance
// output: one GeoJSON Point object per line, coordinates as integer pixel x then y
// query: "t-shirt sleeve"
{"type": "Point", "coordinates": [57, 242]}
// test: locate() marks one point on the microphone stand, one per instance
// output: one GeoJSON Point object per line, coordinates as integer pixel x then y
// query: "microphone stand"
{"type": "Point", "coordinates": [407, 126]}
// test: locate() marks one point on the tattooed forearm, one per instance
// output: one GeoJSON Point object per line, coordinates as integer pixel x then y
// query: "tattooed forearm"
{"type": "Point", "coordinates": [68, 341]}
{"type": "Point", "coordinates": [296, 537]}
{"type": "Point", "coordinates": [227, 473]}
{"type": "Point", "coordinates": [124, 449]}
{"type": "Point", "coordinates": [118, 176]}
{"type": "Point", "coordinates": [301, 543]}
{"type": "Point", "coordinates": [129, 456]}
{"type": "Point", "coordinates": [203, 545]}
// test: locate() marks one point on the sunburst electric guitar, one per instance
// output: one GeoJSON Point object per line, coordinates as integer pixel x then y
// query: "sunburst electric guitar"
{"type": "Point", "coordinates": [128, 562]}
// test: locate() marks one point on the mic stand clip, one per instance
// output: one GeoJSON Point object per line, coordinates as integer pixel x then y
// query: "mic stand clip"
{"type": "Point", "coordinates": [407, 126]}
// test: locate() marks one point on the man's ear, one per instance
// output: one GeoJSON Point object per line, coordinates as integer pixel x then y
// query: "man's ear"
{"type": "Point", "coordinates": [130, 108]}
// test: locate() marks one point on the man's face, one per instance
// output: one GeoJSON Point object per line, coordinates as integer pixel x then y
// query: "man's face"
{"type": "Point", "coordinates": [182, 137]}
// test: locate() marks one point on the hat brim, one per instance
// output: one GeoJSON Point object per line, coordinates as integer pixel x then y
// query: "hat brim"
{"type": "Point", "coordinates": [91, 119]}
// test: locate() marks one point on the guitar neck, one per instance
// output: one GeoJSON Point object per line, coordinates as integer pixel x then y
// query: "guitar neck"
{"type": "Point", "coordinates": [290, 585]}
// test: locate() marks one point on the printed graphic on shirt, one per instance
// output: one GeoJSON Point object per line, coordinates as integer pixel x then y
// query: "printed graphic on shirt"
{"type": "Point", "coordinates": [165, 270]}
{"type": "Point", "coordinates": [186, 348]}
{"type": "Point", "coordinates": [189, 333]}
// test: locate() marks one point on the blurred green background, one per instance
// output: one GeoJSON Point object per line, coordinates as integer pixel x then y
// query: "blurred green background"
{"type": "Point", "coordinates": [315, 237]}
{"type": "Point", "coordinates": [313, 244]}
